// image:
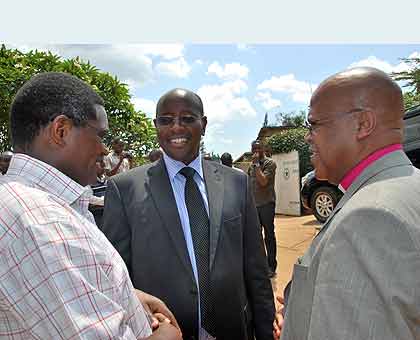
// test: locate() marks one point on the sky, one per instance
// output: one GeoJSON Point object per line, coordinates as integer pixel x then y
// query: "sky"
{"type": "Point", "coordinates": [238, 83]}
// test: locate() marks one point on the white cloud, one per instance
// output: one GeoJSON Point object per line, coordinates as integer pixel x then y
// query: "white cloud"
{"type": "Point", "coordinates": [166, 51]}
{"type": "Point", "coordinates": [375, 62]}
{"type": "Point", "coordinates": [383, 65]}
{"type": "Point", "coordinates": [224, 102]}
{"type": "Point", "coordinates": [145, 105]}
{"type": "Point", "coordinates": [178, 68]}
{"type": "Point", "coordinates": [131, 63]}
{"type": "Point", "coordinates": [199, 62]}
{"type": "Point", "coordinates": [215, 134]}
{"type": "Point", "coordinates": [414, 55]}
{"type": "Point", "coordinates": [267, 101]}
{"type": "Point", "coordinates": [229, 71]}
{"type": "Point", "coordinates": [299, 90]}
{"type": "Point", "coordinates": [132, 86]}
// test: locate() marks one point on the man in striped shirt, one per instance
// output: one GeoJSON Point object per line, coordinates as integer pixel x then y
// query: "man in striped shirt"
{"type": "Point", "coordinates": [59, 276]}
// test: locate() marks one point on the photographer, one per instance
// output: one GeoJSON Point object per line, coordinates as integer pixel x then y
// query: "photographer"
{"type": "Point", "coordinates": [116, 162]}
{"type": "Point", "coordinates": [262, 173]}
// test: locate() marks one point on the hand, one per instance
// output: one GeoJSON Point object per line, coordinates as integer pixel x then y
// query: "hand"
{"type": "Point", "coordinates": [255, 158]}
{"type": "Point", "coordinates": [278, 321]}
{"type": "Point", "coordinates": [122, 156]}
{"type": "Point", "coordinates": [157, 310]}
{"type": "Point", "coordinates": [166, 331]}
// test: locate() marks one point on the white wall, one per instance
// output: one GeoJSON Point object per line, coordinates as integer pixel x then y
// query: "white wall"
{"type": "Point", "coordinates": [287, 185]}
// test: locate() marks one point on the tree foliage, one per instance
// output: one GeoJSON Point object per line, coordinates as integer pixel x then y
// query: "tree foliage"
{"type": "Point", "coordinates": [289, 140]}
{"type": "Point", "coordinates": [130, 125]}
{"type": "Point", "coordinates": [296, 119]}
{"type": "Point", "coordinates": [292, 139]}
{"type": "Point", "coordinates": [412, 79]}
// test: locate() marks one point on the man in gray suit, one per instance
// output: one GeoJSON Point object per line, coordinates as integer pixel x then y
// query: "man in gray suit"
{"type": "Point", "coordinates": [188, 231]}
{"type": "Point", "coordinates": [360, 277]}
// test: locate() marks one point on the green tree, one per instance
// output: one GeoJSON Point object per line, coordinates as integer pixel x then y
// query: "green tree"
{"type": "Point", "coordinates": [130, 125]}
{"type": "Point", "coordinates": [412, 79]}
{"type": "Point", "coordinates": [295, 119]}
{"type": "Point", "coordinates": [290, 140]}
{"type": "Point", "coordinates": [215, 156]}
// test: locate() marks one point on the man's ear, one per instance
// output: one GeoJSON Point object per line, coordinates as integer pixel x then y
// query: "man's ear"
{"type": "Point", "coordinates": [204, 123]}
{"type": "Point", "coordinates": [59, 129]}
{"type": "Point", "coordinates": [366, 123]}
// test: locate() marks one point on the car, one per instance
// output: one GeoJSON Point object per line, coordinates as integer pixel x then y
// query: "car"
{"type": "Point", "coordinates": [321, 197]}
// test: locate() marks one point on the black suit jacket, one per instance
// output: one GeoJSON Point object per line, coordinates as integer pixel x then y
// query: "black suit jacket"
{"type": "Point", "coordinates": [142, 222]}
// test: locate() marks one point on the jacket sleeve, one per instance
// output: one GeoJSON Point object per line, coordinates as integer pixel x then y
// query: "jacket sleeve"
{"type": "Point", "coordinates": [260, 293]}
{"type": "Point", "coordinates": [116, 226]}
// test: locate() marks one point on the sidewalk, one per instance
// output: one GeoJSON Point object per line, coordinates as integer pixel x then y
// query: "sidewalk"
{"type": "Point", "coordinates": [294, 234]}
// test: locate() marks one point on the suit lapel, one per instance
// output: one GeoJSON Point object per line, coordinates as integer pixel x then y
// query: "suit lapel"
{"type": "Point", "coordinates": [163, 196]}
{"type": "Point", "coordinates": [215, 193]}
{"type": "Point", "coordinates": [396, 158]}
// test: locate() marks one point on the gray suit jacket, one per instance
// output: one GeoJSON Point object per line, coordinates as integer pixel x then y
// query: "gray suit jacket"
{"type": "Point", "coordinates": [360, 278]}
{"type": "Point", "coordinates": [142, 222]}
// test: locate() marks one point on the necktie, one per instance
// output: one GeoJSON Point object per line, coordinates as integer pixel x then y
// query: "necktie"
{"type": "Point", "coordinates": [199, 224]}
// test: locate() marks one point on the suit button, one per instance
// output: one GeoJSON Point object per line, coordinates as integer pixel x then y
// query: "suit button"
{"type": "Point", "coordinates": [194, 291]}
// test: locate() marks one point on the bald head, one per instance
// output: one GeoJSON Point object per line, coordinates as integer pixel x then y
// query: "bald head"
{"type": "Point", "coordinates": [365, 88]}
{"type": "Point", "coordinates": [181, 95]}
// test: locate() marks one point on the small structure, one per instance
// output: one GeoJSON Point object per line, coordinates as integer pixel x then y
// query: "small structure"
{"type": "Point", "coordinates": [287, 185]}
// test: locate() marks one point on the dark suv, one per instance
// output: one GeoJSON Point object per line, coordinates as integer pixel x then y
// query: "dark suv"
{"type": "Point", "coordinates": [321, 197]}
{"type": "Point", "coordinates": [318, 196]}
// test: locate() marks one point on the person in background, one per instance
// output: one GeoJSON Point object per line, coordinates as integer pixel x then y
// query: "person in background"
{"type": "Point", "coordinates": [359, 278]}
{"type": "Point", "coordinates": [193, 224]}
{"type": "Point", "coordinates": [130, 159]}
{"type": "Point", "coordinates": [154, 155]}
{"type": "Point", "coordinates": [5, 158]}
{"type": "Point", "coordinates": [226, 160]}
{"type": "Point", "coordinates": [60, 276]}
{"type": "Point", "coordinates": [262, 173]}
{"type": "Point", "coordinates": [96, 201]}
{"type": "Point", "coordinates": [116, 162]}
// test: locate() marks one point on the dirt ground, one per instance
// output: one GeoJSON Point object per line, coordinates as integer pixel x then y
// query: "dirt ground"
{"type": "Point", "coordinates": [294, 234]}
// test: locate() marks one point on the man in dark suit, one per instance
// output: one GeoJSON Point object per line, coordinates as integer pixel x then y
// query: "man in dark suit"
{"type": "Point", "coordinates": [188, 231]}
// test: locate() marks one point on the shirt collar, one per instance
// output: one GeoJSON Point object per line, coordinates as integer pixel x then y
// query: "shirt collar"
{"type": "Point", "coordinates": [351, 176]}
{"type": "Point", "coordinates": [173, 166]}
{"type": "Point", "coordinates": [45, 176]}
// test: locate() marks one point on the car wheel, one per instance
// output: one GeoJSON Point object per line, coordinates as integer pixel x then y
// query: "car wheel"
{"type": "Point", "coordinates": [323, 202]}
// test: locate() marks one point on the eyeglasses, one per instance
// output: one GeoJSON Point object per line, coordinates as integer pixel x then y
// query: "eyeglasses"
{"type": "Point", "coordinates": [101, 134]}
{"type": "Point", "coordinates": [314, 125]}
{"type": "Point", "coordinates": [182, 120]}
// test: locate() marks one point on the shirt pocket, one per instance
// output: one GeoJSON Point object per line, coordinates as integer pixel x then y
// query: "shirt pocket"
{"type": "Point", "coordinates": [298, 311]}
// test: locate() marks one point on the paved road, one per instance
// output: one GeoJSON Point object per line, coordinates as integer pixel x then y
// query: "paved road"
{"type": "Point", "coordinates": [294, 234]}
